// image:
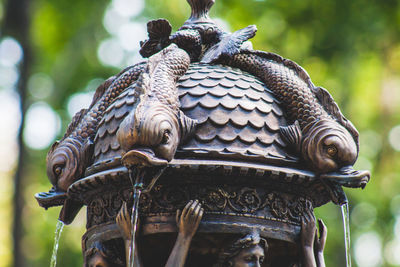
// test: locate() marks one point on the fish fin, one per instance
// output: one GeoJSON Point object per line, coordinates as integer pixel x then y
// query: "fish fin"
{"type": "Point", "coordinates": [101, 90]}
{"type": "Point", "coordinates": [52, 148]}
{"type": "Point", "coordinates": [188, 40]}
{"type": "Point", "coordinates": [230, 44]}
{"type": "Point", "coordinates": [88, 147]}
{"type": "Point", "coordinates": [238, 38]}
{"type": "Point", "coordinates": [292, 134]}
{"type": "Point", "coordinates": [75, 121]}
{"type": "Point", "coordinates": [332, 108]}
{"type": "Point", "coordinates": [151, 47]}
{"type": "Point", "coordinates": [187, 125]}
{"type": "Point", "coordinates": [159, 31]}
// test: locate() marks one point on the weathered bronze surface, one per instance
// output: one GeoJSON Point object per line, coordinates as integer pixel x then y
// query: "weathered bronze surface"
{"type": "Point", "coordinates": [241, 141]}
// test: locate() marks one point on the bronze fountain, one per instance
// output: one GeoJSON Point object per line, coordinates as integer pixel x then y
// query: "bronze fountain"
{"type": "Point", "coordinates": [207, 153]}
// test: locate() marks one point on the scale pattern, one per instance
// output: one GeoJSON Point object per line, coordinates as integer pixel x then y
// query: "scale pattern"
{"type": "Point", "coordinates": [90, 122]}
{"type": "Point", "coordinates": [238, 117]}
{"type": "Point", "coordinates": [293, 91]}
{"type": "Point", "coordinates": [106, 143]}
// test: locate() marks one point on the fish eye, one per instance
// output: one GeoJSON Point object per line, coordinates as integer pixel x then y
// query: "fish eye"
{"type": "Point", "coordinates": [165, 137]}
{"type": "Point", "coordinates": [249, 259]}
{"type": "Point", "coordinates": [331, 150]}
{"type": "Point", "coordinates": [58, 169]}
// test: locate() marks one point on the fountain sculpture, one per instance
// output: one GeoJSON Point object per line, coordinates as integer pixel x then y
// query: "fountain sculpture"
{"type": "Point", "coordinates": [207, 153]}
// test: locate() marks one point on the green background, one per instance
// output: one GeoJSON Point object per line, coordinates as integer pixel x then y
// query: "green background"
{"type": "Point", "coordinates": [352, 48]}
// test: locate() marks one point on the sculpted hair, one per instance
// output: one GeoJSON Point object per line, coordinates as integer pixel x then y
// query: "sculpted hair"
{"type": "Point", "coordinates": [251, 240]}
{"type": "Point", "coordinates": [108, 255]}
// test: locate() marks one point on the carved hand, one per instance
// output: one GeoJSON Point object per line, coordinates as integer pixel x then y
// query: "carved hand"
{"type": "Point", "coordinates": [189, 220]}
{"type": "Point", "coordinates": [319, 243]}
{"type": "Point", "coordinates": [124, 222]}
{"type": "Point", "coordinates": [308, 229]}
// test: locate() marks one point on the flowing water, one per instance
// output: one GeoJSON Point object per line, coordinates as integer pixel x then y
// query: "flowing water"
{"type": "Point", "coordinates": [136, 196]}
{"type": "Point", "coordinates": [59, 228]}
{"type": "Point", "coordinates": [346, 227]}
{"type": "Point", "coordinates": [137, 181]}
{"type": "Point", "coordinates": [137, 178]}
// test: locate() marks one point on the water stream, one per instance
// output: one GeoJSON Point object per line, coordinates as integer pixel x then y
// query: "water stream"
{"type": "Point", "coordinates": [136, 176]}
{"type": "Point", "coordinates": [136, 196]}
{"type": "Point", "coordinates": [346, 228]}
{"type": "Point", "coordinates": [137, 182]}
{"type": "Point", "coordinates": [59, 228]}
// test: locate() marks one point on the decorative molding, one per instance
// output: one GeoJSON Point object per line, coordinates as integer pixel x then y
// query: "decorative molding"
{"type": "Point", "coordinates": [248, 201]}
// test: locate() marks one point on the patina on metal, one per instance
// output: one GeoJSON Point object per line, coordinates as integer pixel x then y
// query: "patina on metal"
{"type": "Point", "coordinates": [241, 141]}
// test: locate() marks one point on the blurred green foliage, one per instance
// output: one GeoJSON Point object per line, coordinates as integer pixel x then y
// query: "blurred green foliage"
{"type": "Point", "coordinates": [352, 48]}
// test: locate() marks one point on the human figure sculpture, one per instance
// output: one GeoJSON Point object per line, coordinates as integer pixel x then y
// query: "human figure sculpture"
{"type": "Point", "coordinates": [99, 256]}
{"type": "Point", "coordinates": [187, 221]}
{"type": "Point", "coordinates": [248, 251]}
{"type": "Point", "coordinates": [312, 245]}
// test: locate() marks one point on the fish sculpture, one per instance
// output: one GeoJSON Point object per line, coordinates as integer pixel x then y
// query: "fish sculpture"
{"type": "Point", "coordinates": [159, 32]}
{"type": "Point", "coordinates": [196, 36]}
{"type": "Point", "coordinates": [324, 138]}
{"type": "Point", "coordinates": [230, 44]}
{"type": "Point", "coordinates": [68, 158]}
{"type": "Point", "coordinates": [151, 133]}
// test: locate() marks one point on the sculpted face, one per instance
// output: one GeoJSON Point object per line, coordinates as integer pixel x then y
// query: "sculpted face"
{"type": "Point", "coordinates": [97, 260]}
{"type": "Point", "coordinates": [154, 137]}
{"type": "Point", "coordinates": [62, 163]}
{"type": "Point", "coordinates": [249, 257]}
{"type": "Point", "coordinates": [329, 147]}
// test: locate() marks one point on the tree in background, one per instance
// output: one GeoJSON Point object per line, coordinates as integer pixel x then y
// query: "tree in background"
{"type": "Point", "coordinates": [349, 47]}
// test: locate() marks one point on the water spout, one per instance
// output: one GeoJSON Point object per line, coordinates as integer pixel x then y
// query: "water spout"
{"type": "Point", "coordinates": [59, 228]}
{"type": "Point", "coordinates": [137, 176]}
{"type": "Point", "coordinates": [137, 183]}
{"type": "Point", "coordinates": [346, 228]}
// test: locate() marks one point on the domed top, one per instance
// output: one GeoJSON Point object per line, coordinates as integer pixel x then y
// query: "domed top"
{"type": "Point", "coordinates": [238, 118]}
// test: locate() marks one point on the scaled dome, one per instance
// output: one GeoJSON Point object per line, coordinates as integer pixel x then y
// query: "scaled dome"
{"type": "Point", "coordinates": [238, 118]}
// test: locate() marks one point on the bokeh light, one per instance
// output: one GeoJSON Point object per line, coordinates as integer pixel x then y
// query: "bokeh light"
{"type": "Point", "coordinates": [370, 143]}
{"type": "Point", "coordinates": [363, 163]}
{"type": "Point", "coordinates": [9, 106]}
{"type": "Point", "coordinates": [392, 252]}
{"type": "Point", "coordinates": [130, 34]}
{"type": "Point", "coordinates": [8, 77]}
{"type": "Point", "coordinates": [363, 215]}
{"type": "Point", "coordinates": [394, 137]}
{"type": "Point", "coordinates": [395, 205]}
{"type": "Point", "coordinates": [10, 52]}
{"type": "Point", "coordinates": [122, 47]}
{"type": "Point", "coordinates": [356, 57]}
{"type": "Point", "coordinates": [368, 248]}
{"type": "Point", "coordinates": [396, 227]}
{"type": "Point", "coordinates": [110, 53]}
{"type": "Point", "coordinates": [128, 8]}
{"type": "Point", "coordinates": [78, 101]}
{"type": "Point", "coordinates": [222, 24]}
{"type": "Point", "coordinates": [40, 86]}
{"type": "Point", "coordinates": [41, 127]}
{"type": "Point", "coordinates": [112, 20]}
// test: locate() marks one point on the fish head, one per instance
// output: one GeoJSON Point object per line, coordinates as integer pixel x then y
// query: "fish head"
{"type": "Point", "coordinates": [66, 162]}
{"type": "Point", "coordinates": [154, 137]}
{"type": "Point", "coordinates": [328, 146]}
